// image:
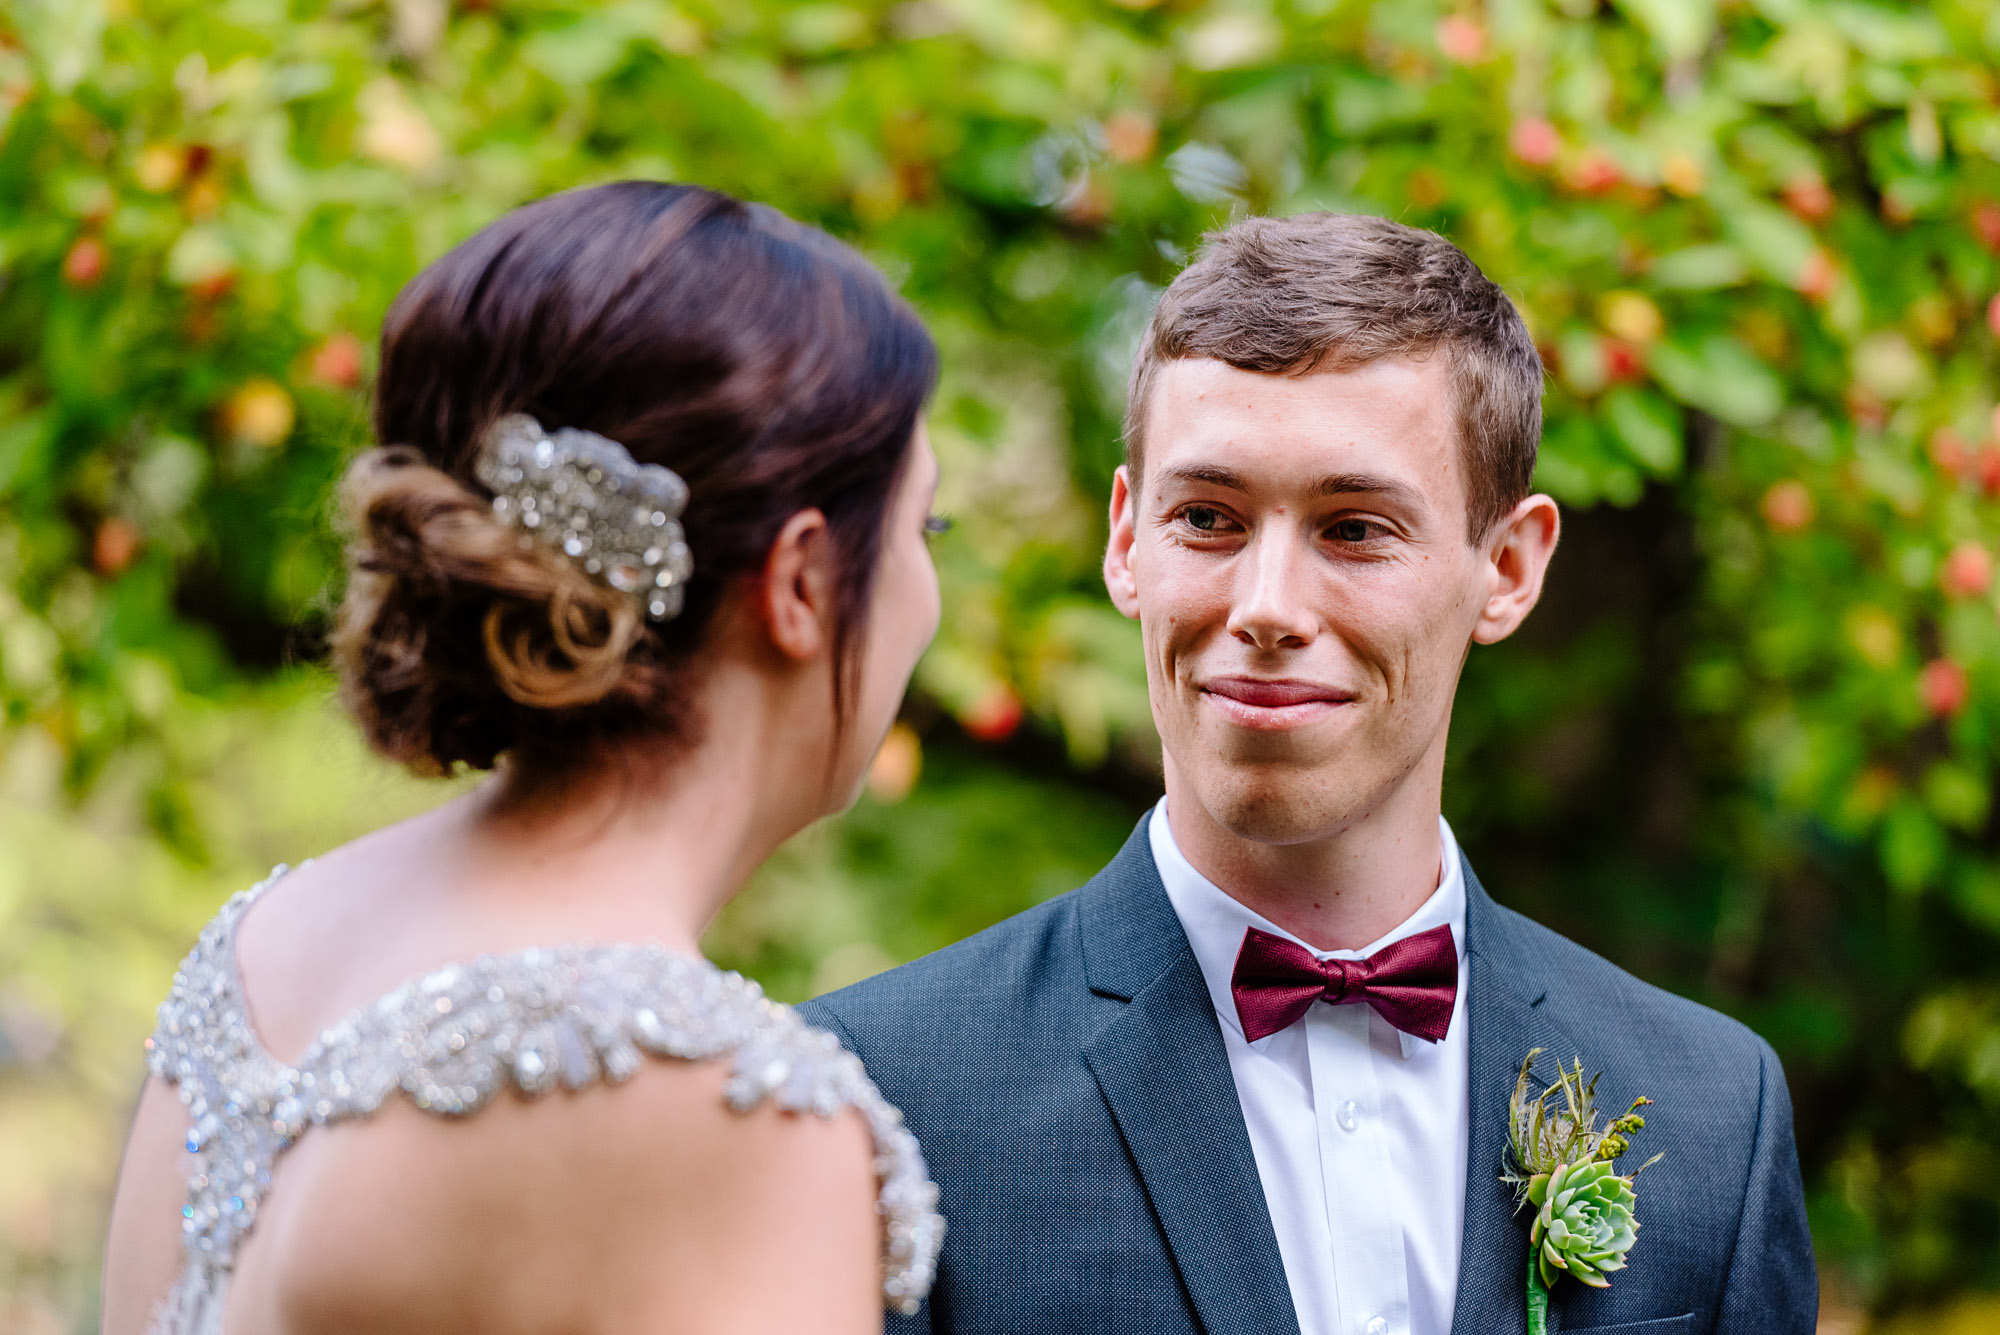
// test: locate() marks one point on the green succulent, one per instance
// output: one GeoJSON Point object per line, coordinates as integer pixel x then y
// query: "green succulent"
{"type": "Point", "coordinates": [1584, 1222]}
{"type": "Point", "coordinates": [1559, 1163]}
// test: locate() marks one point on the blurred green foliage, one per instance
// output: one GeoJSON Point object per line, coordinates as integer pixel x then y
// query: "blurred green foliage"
{"type": "Point", "coordinates": [1746, 748]}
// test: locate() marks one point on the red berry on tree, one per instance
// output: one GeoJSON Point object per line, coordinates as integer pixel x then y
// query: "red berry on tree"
{"type": "Point", "coordinates": [995, 716]}
{"type": "Point", "coordinates": [1462, 40]}
{"type": "Point", "coordinates": [1535, 141]}
{"type": "Point", "coordinates": [1943, 686]}
{"type": "Point", "coordinates": [1089, 203]}
{"type": "Point", "coordinates": [1866, 408]}
{"type": "Point", "coordinates": [1949, 451]}
{"type": "Point", "coordinates": [1427, 188]}
{"type": "Point", "coordinates": [85, 263]}
{"type": "Point", "coordinates": [115, 547]}
{"type": "Point", "coordinates": [1986, 222]}
{"type": "Point", "coordinates": [336, 363]}
{"type": "Point", "coordinates": [1989, 470]}
{"type": "Point", "coordinates": [1967, 572]}
{"type": "Point", "coordinates": [1595, 173]}
{"type": "Point", "coordinates": [1130, 136]}
{"type": "Point", "coordinates": [1623, 362]}
{"type": "Point", "coordinates": [1815, 280]}
{"type": "Point", "coordinates": [1808, 197]}
{"type": "Point", "coordinates": [1788, 506]}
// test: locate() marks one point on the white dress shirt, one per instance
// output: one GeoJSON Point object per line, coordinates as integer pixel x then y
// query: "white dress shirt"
{"type": "Point", "coordinates": [1358, 1129]}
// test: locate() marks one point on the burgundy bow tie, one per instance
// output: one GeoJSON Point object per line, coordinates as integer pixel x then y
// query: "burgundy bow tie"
{"type": "Point", "coordinates": [1411, 983]}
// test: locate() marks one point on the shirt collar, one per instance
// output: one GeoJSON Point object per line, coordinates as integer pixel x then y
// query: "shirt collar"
{"type": "Point", "coordinates": [1215, 922]}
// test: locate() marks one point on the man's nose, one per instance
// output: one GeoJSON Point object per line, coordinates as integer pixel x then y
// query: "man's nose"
{"type": "Point", "coordinates": [1272, 608]}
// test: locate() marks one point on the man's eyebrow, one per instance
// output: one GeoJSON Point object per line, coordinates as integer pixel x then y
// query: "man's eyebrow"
{"type": "Point", "coordinates": [1389, 489]}
{"type": "Point", "coordinates": [1392, 490]}
{"type": "Point", "coordinates": [1215, 475]}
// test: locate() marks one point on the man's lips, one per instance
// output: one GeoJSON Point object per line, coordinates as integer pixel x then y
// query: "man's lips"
{"type": "Point", "coordinates": [1264, 702]}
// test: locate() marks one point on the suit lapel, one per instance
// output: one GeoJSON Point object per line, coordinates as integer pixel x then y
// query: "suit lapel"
{"type": "Point", "coordinates": [1503, 1011]}
{"type": "Point", "coordinates": [1162, 1069]}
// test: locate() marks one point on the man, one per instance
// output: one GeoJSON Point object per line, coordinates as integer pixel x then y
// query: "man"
{"type": "Point", "coordinates": [1158, 1103]}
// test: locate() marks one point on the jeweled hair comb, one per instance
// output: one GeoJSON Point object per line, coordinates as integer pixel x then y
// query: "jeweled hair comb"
{"type": "Point", "coordinates": [586, 496]}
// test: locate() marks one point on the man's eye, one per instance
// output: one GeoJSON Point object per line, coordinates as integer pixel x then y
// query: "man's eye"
{"type": "Point", "coordinates": [1351, 530]}
{"type": "Point", "coordinates": [1202, 517]}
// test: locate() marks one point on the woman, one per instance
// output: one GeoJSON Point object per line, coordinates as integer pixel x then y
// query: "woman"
{"type": "Point", "coordinates": [646, 538]}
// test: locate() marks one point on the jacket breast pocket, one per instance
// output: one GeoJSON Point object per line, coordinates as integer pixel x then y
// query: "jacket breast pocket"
{"type": "Point", "coordinates": [1666, 1325]}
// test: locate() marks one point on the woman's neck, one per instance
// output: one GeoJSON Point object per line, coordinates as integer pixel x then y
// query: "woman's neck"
{"type": "Point", "coordinates": [645, 838]}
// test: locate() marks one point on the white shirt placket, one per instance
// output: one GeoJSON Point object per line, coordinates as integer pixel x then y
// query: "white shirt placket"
{"type": "Point", "coordinates": [1364, 1220]}
{"type": "Point", "coordinates": [1367, 1219]}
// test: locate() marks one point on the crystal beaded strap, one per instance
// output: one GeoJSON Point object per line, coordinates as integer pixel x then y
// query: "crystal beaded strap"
{"type": "Point", "coordinates": [563, 1016]}
{"type": "Point", "coordinates": [204, 1047]}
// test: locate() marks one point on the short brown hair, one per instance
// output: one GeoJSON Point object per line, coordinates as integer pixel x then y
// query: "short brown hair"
{"type": "Point", "coordinates": [766, 363]}
{"type": "Point", "coordinates": [1333, 291]}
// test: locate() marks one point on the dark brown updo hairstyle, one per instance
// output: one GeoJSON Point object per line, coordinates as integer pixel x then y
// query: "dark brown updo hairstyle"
{"type": "Point", "coordinates": [766, 363]}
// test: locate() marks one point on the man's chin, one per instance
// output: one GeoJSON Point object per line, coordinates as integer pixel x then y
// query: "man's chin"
{"type": "Point", "coordinates": [1275, 805]}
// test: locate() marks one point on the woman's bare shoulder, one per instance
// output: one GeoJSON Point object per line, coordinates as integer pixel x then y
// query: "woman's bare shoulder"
{"type": "Point", "coordinates": [341, 931]}
{"type": "Point", "coordinates": [652, 1201]}
{"type": "Point", "coordinates": [660, 1191]}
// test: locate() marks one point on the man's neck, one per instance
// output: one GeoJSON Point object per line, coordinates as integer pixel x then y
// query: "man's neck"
{"type": "Point", "coordinates": [1337, 892]}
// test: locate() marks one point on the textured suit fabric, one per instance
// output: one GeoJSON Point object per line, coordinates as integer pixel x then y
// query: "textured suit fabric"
{"type": "Point", "coordinates": [1065, 1074]}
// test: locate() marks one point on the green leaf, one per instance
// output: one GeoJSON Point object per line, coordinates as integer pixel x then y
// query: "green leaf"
{"type": "Point", "coordinates": [1912, 848]}
{"type": "Point", "coordinates": [1680, 27]}
{"type": "Point", "coordinates": [1696, 268]}
{"type": "Point", "coordinates": [1778, 245]}
{"type": "Point", "coordinates": [1720, 376]}
{"type": "Point", "coordinates": [576, 53]}
{"type": "Point", "coordinates": [1956, 795]}
{"type": "Point", "coordinates": [1647, 426]}
{"type": "Point", "coordinates": [26, 436]}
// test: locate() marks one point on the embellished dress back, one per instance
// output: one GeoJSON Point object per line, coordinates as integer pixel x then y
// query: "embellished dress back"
{"type": "Point", "coordinates": [557, 1017]}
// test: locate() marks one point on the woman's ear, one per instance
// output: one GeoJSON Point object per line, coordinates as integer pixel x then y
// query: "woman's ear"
{"type": "Point", "coordinates": [794, 596]}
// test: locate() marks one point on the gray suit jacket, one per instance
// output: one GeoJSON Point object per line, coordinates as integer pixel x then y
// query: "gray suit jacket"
{"type": "Point", "coordinates": [1066, 1076]}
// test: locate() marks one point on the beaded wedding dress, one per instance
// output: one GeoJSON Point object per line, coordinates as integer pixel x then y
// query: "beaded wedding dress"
{"type": "Point", "coordinates": [555, 1017]}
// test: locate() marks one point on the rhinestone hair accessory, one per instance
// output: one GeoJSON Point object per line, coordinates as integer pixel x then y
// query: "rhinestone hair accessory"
{"type": "Point", "coordinates": [585, 496]}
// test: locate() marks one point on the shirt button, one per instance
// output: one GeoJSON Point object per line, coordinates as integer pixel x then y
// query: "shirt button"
{"type": "Point", "coordinates": [1348, 1116]}
{"type": "Point", "coordinates": [1377, 1325]}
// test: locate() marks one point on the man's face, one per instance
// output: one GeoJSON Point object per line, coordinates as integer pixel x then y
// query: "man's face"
{"type": "Point", "coordinates": [1298, 561]}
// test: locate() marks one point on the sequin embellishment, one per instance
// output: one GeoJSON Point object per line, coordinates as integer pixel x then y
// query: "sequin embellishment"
{"type": "Point", "coordinates": [542, 1019]}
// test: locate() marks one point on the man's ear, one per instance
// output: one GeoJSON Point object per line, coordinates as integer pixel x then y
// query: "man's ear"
{"type": "Point", "coordinates": [1118, 577]}
{"type": "Point", "coordinates": [794, 595]}
{"type": "Point", "coordinates": [1517, 554]}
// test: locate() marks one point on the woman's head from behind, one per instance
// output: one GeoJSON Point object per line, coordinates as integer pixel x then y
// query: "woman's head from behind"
{"type": "Point", "coordinates": [764, 363]}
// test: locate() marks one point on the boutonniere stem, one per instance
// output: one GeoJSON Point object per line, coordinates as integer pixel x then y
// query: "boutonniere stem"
{"type": "Point", "coordinates": [1560, 1164]}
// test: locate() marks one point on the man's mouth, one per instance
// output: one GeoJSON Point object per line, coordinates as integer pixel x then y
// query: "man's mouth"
{"type": "Point", "coordinates": [1273, 702]}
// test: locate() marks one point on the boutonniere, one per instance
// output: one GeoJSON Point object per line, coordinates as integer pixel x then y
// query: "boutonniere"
{"type": "Point", "coordinates": [1561, 1165]}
